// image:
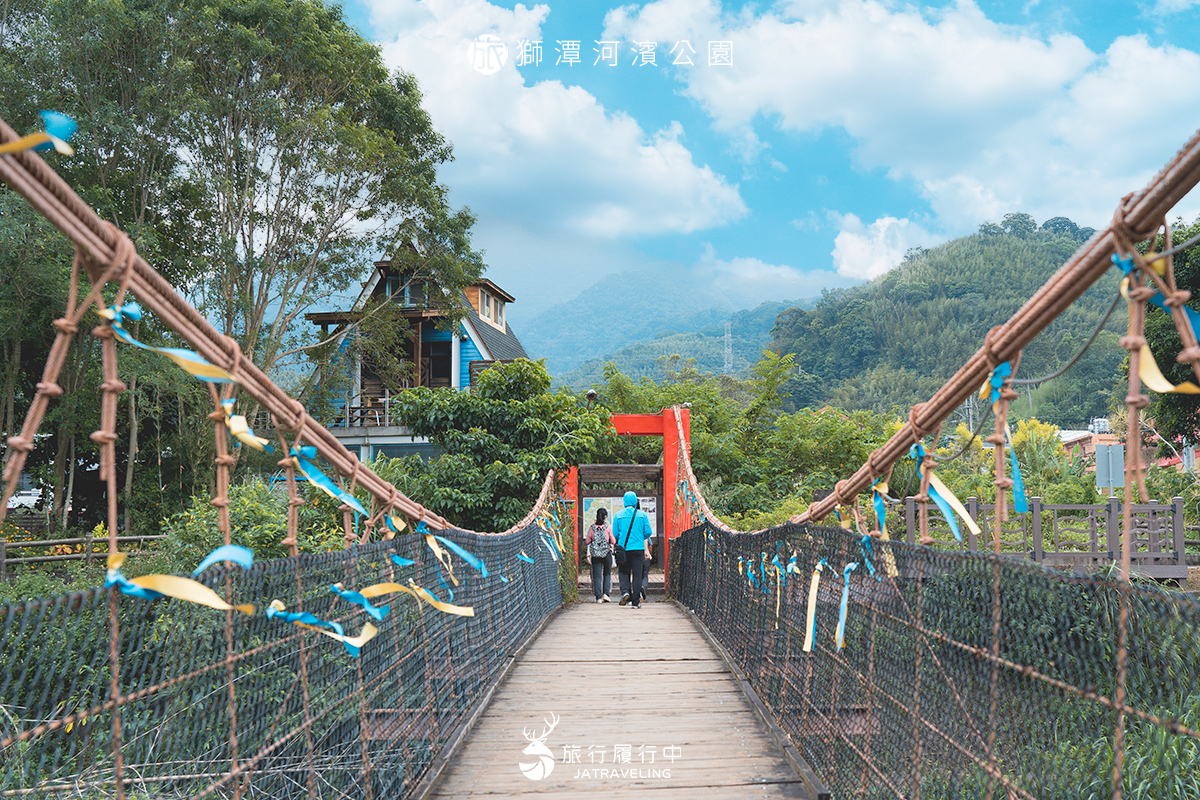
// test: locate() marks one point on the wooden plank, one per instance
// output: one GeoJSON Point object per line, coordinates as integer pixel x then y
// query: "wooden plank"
{"type": "Point", "coordinates": [608, 675]}
{"type": "Point", "coordinates": [619, 473]}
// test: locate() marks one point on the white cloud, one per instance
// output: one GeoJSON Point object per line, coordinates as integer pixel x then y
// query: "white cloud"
{"type": "Point", "coordinates": [745, 282]}
{"type": "Point", "coordinates": [984, 118]}
{"type": "Point", "coordinates": [1164, 7]}
{"type": "Point", "coordinates": [861, 251]}
{"type": "Point", "coordinates": [550, 151]}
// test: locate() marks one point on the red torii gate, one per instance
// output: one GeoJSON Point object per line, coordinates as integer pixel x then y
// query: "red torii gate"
{"type": "Point", "coordinates": [660, 424]}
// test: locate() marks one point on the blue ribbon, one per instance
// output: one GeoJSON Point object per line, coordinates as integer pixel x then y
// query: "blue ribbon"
{"type": "Point", "coordinates": [193, 363]}
{"type": "Point", "coordinates": [466, 555]}
{"type": "Point", "coordinates": [1126, 264]}
{"type": "Point", "coordinates": [546, 540]}
{"type": "Point", "coordinates": [521, 555]}
{"type": "Point", "coordinates": [358, 600]}
{"type": "Point", "coordinates": [841, 626]}
{"type": "Point", "coordinates": [997, 380]}
{"type": "Point", "coordinates": [762, 566]}
{"type": "Point", "coordinates": [60, 126]}
{"type": "Point", "coordinates": [402, 562]}
{"type": "Point", "coordinates": [1020, 504]}
{"type": "Point", "coordinates": [868, 551]}
{"type": "Point", "coordinates": [917, 452]}
{"type": "Point", "coordinates": [242, 556]}
{"type": "Point", "coordinates": [880, 511]}
{"type": "Point", "coordinates": [305, 618]}
{"type": "Point", "coordinates": [304, 456]}
{"type": "Point", "coordinates": [126, 586]}
{"type": "Point", "coordinates": [781, 568]}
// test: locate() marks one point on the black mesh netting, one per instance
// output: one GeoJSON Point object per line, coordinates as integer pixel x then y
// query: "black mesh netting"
{"type": "Point", "coordinates": [308, 719]}
{"type": "Point", "coordinates": [931, 696]}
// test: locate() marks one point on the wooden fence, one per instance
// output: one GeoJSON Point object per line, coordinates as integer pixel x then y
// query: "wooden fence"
{"type": "Point", "coordinates": [82, 548]}
{"type": "Point", "coordinates": [1083, 537]}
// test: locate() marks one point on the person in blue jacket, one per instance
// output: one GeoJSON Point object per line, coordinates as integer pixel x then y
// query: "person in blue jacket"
{"type": "Point", "coordinates": [631, 529]}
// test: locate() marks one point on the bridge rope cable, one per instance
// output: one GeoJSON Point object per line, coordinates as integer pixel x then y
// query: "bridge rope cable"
{"type": "Point", "coordinates": [1138, 217]}
{"type": "Point", "coordinates": [134, 695]}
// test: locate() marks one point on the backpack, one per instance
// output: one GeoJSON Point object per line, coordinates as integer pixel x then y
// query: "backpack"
{"type": "Point", "coordinates": [599, 547]}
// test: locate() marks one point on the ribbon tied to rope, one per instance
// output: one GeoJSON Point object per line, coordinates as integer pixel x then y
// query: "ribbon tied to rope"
{"type": "Point", "coordinates": [810, 621]}
{"type": "Point", "coordinates": [240, 428]}
{"type": "Point", "coordinates": [190, 362]}
{"type": "Point", "coordinates": [353, 644]}
{"type": "Point", "coordinates": [154, 587]}
{"type": "Point", "coordinates": [302, 457]}
{"type": "Point", "coordinates": [59, 128]}
{"type": "Point", "coordinates": [946, 502]}
{"type": "Point", "coordinates": [844, 609]}
{"type": "Point", "coordinates": [996, 383]}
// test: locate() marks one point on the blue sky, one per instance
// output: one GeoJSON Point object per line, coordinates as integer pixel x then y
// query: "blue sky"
{"type": "Point", "coordinates": [843, 133]}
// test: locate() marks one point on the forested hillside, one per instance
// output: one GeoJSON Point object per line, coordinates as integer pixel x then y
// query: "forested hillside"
{"type": "Point", "coordinates": [749, 330]}
{"type": "Point", "coordinates": [892, 342]}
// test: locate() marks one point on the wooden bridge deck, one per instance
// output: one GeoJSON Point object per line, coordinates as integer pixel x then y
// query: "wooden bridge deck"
{"type": "Point", "coordinates": [645, 678]}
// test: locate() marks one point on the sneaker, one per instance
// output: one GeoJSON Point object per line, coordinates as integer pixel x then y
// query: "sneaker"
{"type": "Point", "coordinates": [606, 599]}
{"type": "Point", "coordinates": [624, 599]}
{"type": "Point", "coordinates": [637, 605]}
{"type": "Point", "coordinates": [598, 600]}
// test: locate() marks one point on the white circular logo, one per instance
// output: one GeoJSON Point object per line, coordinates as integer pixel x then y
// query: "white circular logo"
{"type": "Point", "coordinates": [487, 54]}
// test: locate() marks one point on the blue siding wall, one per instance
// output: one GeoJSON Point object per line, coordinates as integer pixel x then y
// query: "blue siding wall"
{"type": "Point", "coordinates": [429, 333]}
{"type": "Point", "coordinates": [467, 353]}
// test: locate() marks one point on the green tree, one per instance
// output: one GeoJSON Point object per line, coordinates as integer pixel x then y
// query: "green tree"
{"type": "Point", "coordinates": [498, 442]}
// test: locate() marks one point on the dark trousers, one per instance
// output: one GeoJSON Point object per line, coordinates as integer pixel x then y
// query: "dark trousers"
{"type": "Point", "coordinates": [601, 576]}
{"type": "Point", "coordinates": [631, 575]}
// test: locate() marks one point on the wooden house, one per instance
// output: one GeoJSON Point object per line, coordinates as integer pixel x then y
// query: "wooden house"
{"type": "Point", "coordinates": [439, 356]}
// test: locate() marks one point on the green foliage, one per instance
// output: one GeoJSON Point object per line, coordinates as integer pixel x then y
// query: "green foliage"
{"type": "Point", "coordinates": [498, 443]}
{"type": "Point", "coordinates": [889, 344]}
{"type": "Point", "coordinates": [257, 520]}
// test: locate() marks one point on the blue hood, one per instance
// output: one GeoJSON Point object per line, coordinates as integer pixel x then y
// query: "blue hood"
{"type": "Point", "coordinates": [630, 499]}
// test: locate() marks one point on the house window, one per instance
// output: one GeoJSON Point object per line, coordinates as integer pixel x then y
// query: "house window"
{"type": "Point", "coordinates": [485, 305]}
{"type": "Point", "coordinates": [406, 293]}
{"type": "Point", "coordinates": [499, 315]}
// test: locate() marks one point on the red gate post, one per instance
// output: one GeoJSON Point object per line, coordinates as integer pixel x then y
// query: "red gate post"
{"type": "Point", "coordinates": [662, 424]}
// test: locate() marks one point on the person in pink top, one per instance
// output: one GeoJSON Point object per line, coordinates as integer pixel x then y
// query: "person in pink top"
{"type": "Point", "coordinates": [600, 542]}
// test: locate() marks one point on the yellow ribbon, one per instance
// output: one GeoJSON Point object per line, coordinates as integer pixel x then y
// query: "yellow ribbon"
{"type": "Point", "coordinates": [1148, 369]}
{"type": "Point", "coordinates": [33, 140]}
{"type": "Point", "coordinates": [811, 617]}
{"type": "Point", "coordinates": [179, 588]}
{"type": "Point", "coordinates": [367, 634]}
{"type": "Point", "coordinates": [889, 558]}
{"type": "Point", "coordinates": [379, 589]}
{"type": "Point", "coordinates": [240, 428]}
{"type": "Point", "coordinates": [442, 555]}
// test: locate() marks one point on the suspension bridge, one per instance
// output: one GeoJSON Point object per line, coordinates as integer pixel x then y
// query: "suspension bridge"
{"type": "Point", "coordinates": [807, 660]}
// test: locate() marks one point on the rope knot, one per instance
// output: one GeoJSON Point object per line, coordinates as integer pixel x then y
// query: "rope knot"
{"type": "Point", "coordinates": [295, 501]}
{"type": "Point", "coordinates": [1137, 401]}
{"type": "Point", "coordinates": [1177, 298]}
{"type": "Point", "coordinates": [1141, 294]}
{"type": "Point", "coordinates": [65, 325]}
{"type": "Point", "coordinates": [50, 389]}
{"type": "Point", "coordinates": [995, 438]}
{"type": "Point", "coordinates": [20, 444]}
{"type": "Point", "coordinates": [1188, 355]}
{"type": "Point", "coordinates": [219, 502]}
{"type": "Point", "coordinates": [115, 386]}
{"type": "Point", "coordinates": [919, 432]}
{"type": "Point", "coordinates": [225, 460]}
{"type": "Point", "coordinates": [103, 331]}
{"type": "Point", "coordinates": [1003, 483]}
{"type": "Point", "coordinates": [102, 437]}
{"type": "Point", "coordinates": [1132, 342]}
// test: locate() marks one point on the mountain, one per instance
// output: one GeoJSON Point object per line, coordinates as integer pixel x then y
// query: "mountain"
{"type": "Point", "coordinates": [890, 343]}
{"type": "Point", "coordinates": [750, 332]}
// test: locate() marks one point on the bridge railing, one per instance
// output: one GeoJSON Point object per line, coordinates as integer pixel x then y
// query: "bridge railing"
{"type": "Point", "coordinates": [959, 675]}
{"type": "Point", "coordinates": [258, 707]}
{"type": "Point", "coordinates": [1081, 536]}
